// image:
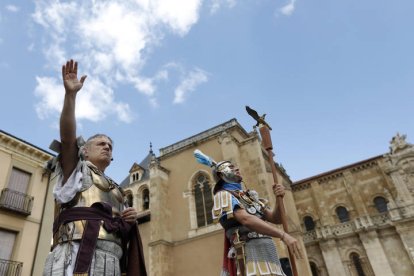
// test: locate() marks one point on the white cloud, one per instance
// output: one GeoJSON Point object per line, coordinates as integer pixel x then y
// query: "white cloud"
{"type": "Point", "coordinates": [145, 85]}
{"type": "Point", "coordinates": [216, 5]}
{"type": "Point", "coordinates": [51, 95]}
{"type": "Point", "coordinates": [12, 8]}
{"type": "Point", "coordinates": [94, 102]}
{"type": "Point", "coordinates": [111, 40]}
{"type": "Point", "coordinates": [189, 84]}
{"type": "Point", "coordinates": [289, 8]}
{"type": "Point", "coordinates": [55, 16]}
{"type": "Point", "coordinates": [55, 54]}
{"type": "Point", "coordinates": [161, 75]}
{"type": "Point", "coordinates": [179, 17]}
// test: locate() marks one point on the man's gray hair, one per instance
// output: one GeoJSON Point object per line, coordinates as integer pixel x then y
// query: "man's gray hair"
{"type": "Point", "coordinates": [97, 136]}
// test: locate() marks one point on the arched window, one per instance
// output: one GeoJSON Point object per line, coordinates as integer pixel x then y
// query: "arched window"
{"type": "Point", "coordinates": [145, 199]}
{"type": "Point", "coordinates": [203, 200]}
{"type": "Point", "coordinates": [135, 177]}
{"type": "Point", "coordinates": [356, 262]}
{"type": "Point", "coordinates": [342, 214]}
{"type": "Point", "coordinates": [130, 200]}
{"type": "Point", "coordinates": [309, 223]}
{"type": "Point", "coordinates": [314, 269]}
{"type": "Point", "coordinates": [380, 204]}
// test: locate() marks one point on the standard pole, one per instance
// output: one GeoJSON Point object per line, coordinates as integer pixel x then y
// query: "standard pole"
{"type": "Point", "coordinates": [267, 143]}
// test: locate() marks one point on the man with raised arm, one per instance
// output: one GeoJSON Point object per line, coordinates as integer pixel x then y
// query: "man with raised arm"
{"type": "Point", "coordinates": [94, 232]}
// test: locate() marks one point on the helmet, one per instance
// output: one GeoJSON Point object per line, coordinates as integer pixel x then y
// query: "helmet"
{"type": "Point", "coordinates": [226, 171]}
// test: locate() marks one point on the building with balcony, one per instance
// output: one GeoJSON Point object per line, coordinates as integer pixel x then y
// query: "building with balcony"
{"type": "Point", "coordinates": [356, 220]}
{"type": "Point", "coordinates": [23, 186]}
{"type": "Point", "coordinates": [359, 219]}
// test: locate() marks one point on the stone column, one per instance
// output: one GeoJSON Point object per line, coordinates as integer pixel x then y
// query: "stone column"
{"type": "Point", "coordinates": [403, 194]}
{"type": "Point", "coordinates": [160, 246]}
{"type": "Point", "coordinates": [321, 204]}
{"type": "Point", "coordinates": [160, 253]}
{"type": "Point", "coordinates": [405, 230]}
{"type": "Point", "coordinates": [375, 252]}
{"type": "Point", "coordinates": [350, 182]}
{"type": "Point", "coordinates": [229, 148]}
{"type": "Point", "coordinates": [332, 258]}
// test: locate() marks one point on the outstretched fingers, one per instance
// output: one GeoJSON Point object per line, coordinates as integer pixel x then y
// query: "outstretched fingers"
{"type": "Point", "coordinates": [70, 77]}
{"type": "Point", "coordinates": [71, 66]}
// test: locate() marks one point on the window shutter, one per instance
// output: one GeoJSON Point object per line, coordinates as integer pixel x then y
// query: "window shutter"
{"type": "Point", "coordinates": [19, 181]}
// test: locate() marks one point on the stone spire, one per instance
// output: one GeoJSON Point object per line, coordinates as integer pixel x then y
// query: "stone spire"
{"type": "Point", "coordinates": [154, 159]}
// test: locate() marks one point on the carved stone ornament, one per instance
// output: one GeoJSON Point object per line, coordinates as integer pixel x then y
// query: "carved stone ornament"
{"type": "Point", "coordinates": [398, 143]}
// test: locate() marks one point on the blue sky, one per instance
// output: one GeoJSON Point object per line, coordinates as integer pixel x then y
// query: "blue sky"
{"type": "Point", "coordinates": [336, 78]}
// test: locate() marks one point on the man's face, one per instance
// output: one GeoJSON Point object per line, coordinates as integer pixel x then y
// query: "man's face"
{"type": "Point", "coordinates": [99, 150]}
{"type": "Point", "coordinates": [230, 173]}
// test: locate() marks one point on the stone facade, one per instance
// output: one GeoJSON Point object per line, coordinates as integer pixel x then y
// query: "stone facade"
{"type": "Point", "coordinates": [354, 220]}
{"type": "Point", "coordinates": [358, 219]}
{"type": "Point", "coordinates": [177, 241]}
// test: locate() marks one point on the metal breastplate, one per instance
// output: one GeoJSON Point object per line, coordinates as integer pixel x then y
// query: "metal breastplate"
{"type": "Point", "coordinates": [102, 190]}
{"type": "Point", "coordinates": [251, 202]}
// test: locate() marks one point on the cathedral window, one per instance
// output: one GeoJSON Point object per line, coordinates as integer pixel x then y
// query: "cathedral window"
{"type": "Point", "coordinates": [356, 262]}
{"type": "Point", "coordinates": [130, 200]}
{"type": "Point", "coordinates": [203, 200]}
{"type": "Point", "coordinates": [342, 214]}
{"type": "Point", "coordinates": [145, 199]}
{"type": "Point", "coordinates": [380, 204]}
{"type": "Point", "coordinates": [314, 269]}
{"type": "Point", "coordinates": [309, 223]}
{"type": "Point", "coordinates": [135, 176]}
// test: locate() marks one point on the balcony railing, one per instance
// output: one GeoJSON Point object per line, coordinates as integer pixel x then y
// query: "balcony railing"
{"type": "Point", "coordinates": [10, 268]}
{"type": "Point", "coordinates": [365, 267]}
{"type": "Point", "coordinates": [347, 228]}
{"type": "Point", "coordinates": [16, 201]}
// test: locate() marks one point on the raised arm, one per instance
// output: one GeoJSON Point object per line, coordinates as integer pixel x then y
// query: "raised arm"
{"type": "Point", "coordinates": [69, 150]}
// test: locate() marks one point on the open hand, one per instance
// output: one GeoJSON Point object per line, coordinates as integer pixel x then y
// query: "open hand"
{"type": "Point", "coordinates": [130, 215]}
{"type": "Point", "coordinates": [70, 77]}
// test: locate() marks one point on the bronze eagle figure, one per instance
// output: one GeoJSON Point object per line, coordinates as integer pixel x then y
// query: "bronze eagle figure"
{"type": "Point", "coordinates": [259, 119]}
